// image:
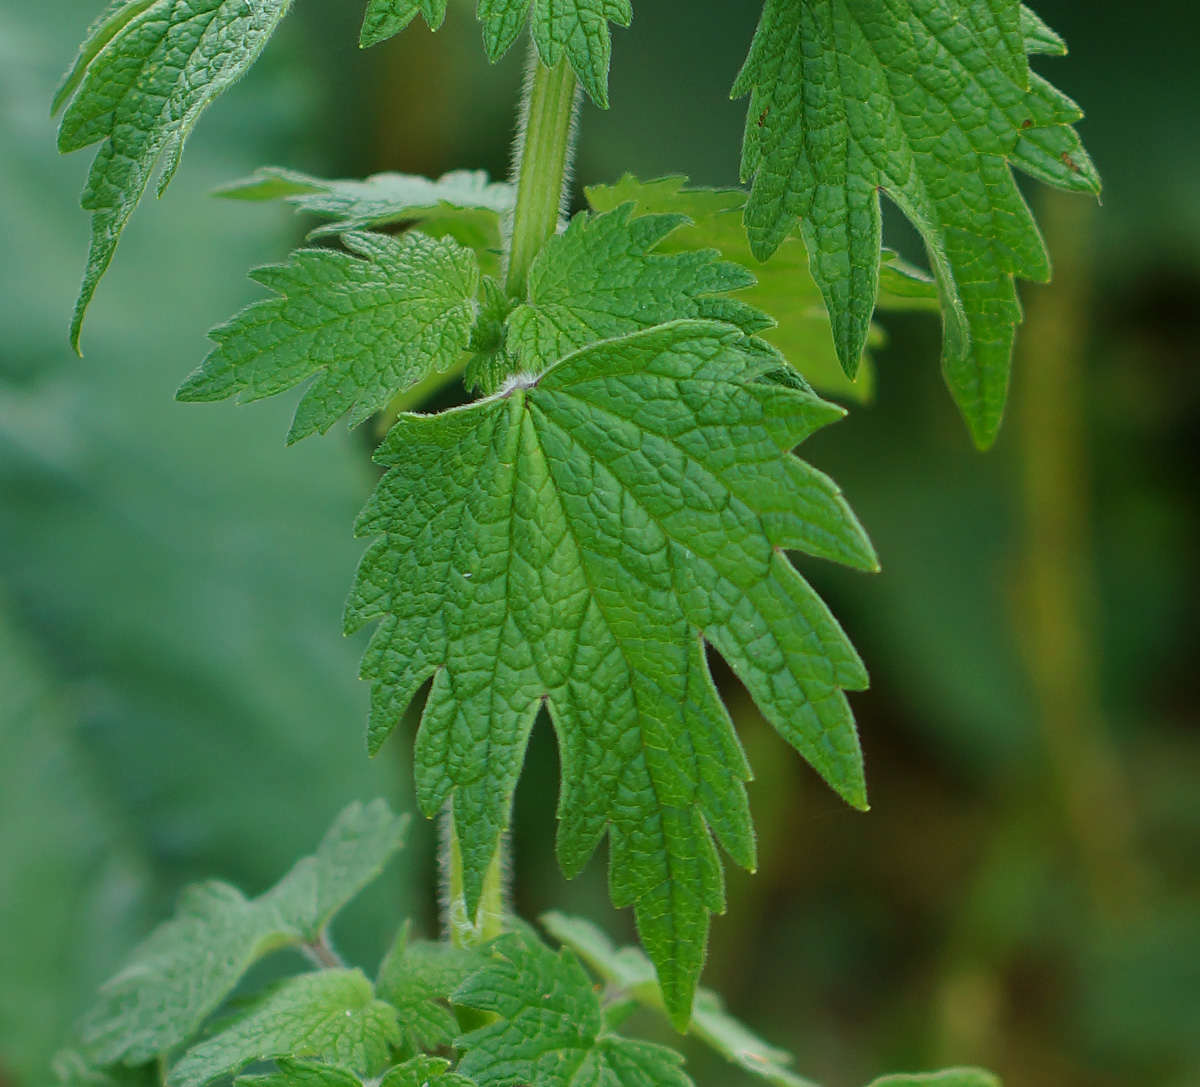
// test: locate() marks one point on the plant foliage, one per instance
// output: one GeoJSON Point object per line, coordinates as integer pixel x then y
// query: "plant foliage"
{"type": "Point", "coordinates": [573, 543]}
{"type": "Point", "coordinates": [547, 1023]}
{"type": "Point", "coordinates": [622, 498]}
{"type": "Point", "coordinates": [931, 102]}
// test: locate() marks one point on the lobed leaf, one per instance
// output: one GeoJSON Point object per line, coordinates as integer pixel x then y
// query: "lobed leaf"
{"type": "Point", "coordinates": [330, 1014]}
{"type": "Point", "coordinates": [365, 325]}
{"type": "Point", "coordinates": [419, 1071]}
{"type": "Point", "coordinates": [577, 29]}
{"type": "Point", "coordinates": [422, 1071]}
{"type": "Point", "coordinates": [573, 543]}
{"type": "Point", "coordinates": [290, 1072]}
{"type": "Point", "coordinates": [190, 964]}
{"type": "Point", "coordinates": [783, 285]}
{"type": "Point", "coordinates": [602, 278]}
{"type": "Point", "coordinates": [932, 103]}
{"type": "Point", "coordinates": [550, 1031]}
{"type": "Point", "coordinates": [629, 972]}
{"type": "Point", "coordinates": [417, 978]}
{"type": "Point", "coordinates": [146, 72]}
{"type": "Point", "coordinates": [463, 204]}
{"type": "Point", "coordinates": [386, 18]}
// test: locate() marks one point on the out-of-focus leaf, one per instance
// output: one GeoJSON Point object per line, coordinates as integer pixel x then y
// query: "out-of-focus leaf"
{"type": "Point", "coordinates": [65, 871]}
{"type": "Point", "coordinates": [330, 1014]}
{"type": "Point", "coordinates": [188, 965]}
{"type": "Point", "coordinates": [182, 609]}
{"type": "Point", "coordinates": [463, 204]}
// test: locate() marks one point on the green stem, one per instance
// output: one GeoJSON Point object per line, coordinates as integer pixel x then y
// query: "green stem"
{"type": "Point", "coordinates": [488, 922]}
{"type": "Point", "coordinates": [544, 148]}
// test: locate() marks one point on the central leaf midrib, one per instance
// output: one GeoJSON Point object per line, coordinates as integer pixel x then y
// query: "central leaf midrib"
{"type": "Point", "coordinates": [660, 807]}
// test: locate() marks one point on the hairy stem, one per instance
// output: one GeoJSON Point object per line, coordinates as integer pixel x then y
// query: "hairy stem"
{"type": "Point", "coordinates": [322, 955]}
{"type": "Point", "coordinates": [545, 142]}
{"type": "Point", "coordinates": [488, 922]}
{"type": "Point", "coordinates": [544, 148]}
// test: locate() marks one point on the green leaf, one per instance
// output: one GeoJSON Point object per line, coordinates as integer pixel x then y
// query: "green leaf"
{"type": "Point", "coordinates": [950, 1077]}
{"type": "Point", "coordinates": [932, 103]}
{"type": "Point", "coordinates": [366, 328]}
{"type": "Point", "coordinates": [784, 287]}
{"type": "Point", "coordinates": [601, 278]}
{"type": "Point", "coordinates": [330, 1014]}
{"type": "Point", "coordinates": [573, 542]}
{"type": "Point", "coordinates": [419, 1071]}
{"type": "Point", "coordinates": [629, 971]}
{"type": "Point", "coordinates": [71, 1069]}
{"type": "Point", "coordinates": [551, 1032]}
{"type": "Point", "coordinates": [463, 204]}
{"type": "Point", "coordinates": [298, 1073]}
{"type": "Point", "coordinates": [191, 963]}
{"type": "Point", "coordinates": [145, 74]}
{"type": "Point", "coordinates": [490, 364]}
{"type": "Point", "coordinates": [386, 18]}
{"type": "Point", "coordinates": [576, 28]}
{"type": "Point", "coordinates": [351, 855]}
{"type": "Point", "coordinates": [417, 978]}
{"type": "Point", "coordinates": [422, 1070]}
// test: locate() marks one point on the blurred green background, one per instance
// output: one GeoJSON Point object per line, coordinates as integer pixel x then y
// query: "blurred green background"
{"type": "Point", "coordinates": [176, 699]}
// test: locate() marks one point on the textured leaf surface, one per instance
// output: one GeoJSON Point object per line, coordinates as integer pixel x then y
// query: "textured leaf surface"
{"type": "Point", "coordinates": [551, 1032]}
{"type": "Point", "coordinates": [931, 102]}
{"type": "Point", "coordinates": [601, 278]}
{"type": "Point", "coordinates": [300, 1073]}
{"type": "Point", "coordinates": [628, 970]}
{"type": "Point", "coordinates": [386, 18]}
{"type": "Point", "coordinates": [417, 977]}
{"type": "Point", "coordinates": [331, 1014]}
{"type": "Point", "coordinates": [145, 74]}
{"type": "Point", "coordinates": [490, 363]}
{"type": "Point", "coordinates": [367, 325]}
{"type": "Point", "coordinates": [577, 29]}
{"type": "Point", "coordinates": [419, 1071]}
{"type": "Point", "coordinates": [183, 971]}
{"type": "Point", "coordinates": [783, 288]}
{"type": "Point", "coordinates": [423, 1070]}
{"type": "Point", "coordinates": [463, 204]}
{"type": "Point", "coordinates": [573, 543]}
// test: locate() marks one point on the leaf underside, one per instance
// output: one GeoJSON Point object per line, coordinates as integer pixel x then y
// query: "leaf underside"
{"type": "Point", "coordinates": [146, 72]}
{"type": "Point", "coordinates": [931, 102]}
{"type": "Point", "coordinates": [386, 18]}
{"type": "Point", "coordinates": [463, 204]}
{"type": "Point", "coordinates": [576, 29]}
{"type": "Point", "coordinates": [574, 543]}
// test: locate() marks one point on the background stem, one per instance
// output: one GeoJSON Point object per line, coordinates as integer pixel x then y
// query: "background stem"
{"type": "Point", "coordinates": [488, 923]}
